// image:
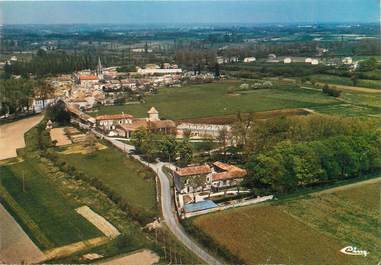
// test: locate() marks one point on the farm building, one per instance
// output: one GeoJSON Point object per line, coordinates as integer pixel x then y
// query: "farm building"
{"type": "Point", "coordinates": [201, 131]}
{"type": "Point", "coordinates": [191, 178]}
{"type": "Point", "coordinates": [226, 175]}
{"type": "Point", "coordinates": [347, 60]}
{"type": "Point", "coordinates": [109, 122]}
{"type": "Point", "coordinates": [152, 123]}
{"type": "Point", "coordinates": [205, 177]}
{"type": "Point", "coordinates": [249, 59]}
{"type": "Point", "coordinates": [287, 60]}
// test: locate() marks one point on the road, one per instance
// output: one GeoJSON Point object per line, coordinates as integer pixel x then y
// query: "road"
{"type": "Point", "coordinates": [169, 214]}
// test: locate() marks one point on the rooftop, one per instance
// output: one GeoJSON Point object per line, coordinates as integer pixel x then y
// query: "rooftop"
{"type": "Point", "coordinates": [193, 170]}
{"type": "Point", "coordinates": [153, 111]}
{"type": "Point", "coordinates": [114, 117]}
{"type": "Point", "coordinates": [88, 77]}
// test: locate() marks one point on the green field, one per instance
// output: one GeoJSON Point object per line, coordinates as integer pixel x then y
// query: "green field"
{"type": "Point", "coordinates": [47, 213]}
{"type": "Point", "coordinates": [212, 99]}
{"type": "Point", "coordinates": [126, 177]}
{"type": "Point", "coordinates": [346, 81]}
{"type": "Point", "coordinates": [305, 230]}
{"type": "Point", "coordinates": [354, 104]}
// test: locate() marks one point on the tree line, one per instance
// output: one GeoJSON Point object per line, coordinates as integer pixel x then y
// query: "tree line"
{"type": "Point", "coordinates": [164, 146]}
{"type": "Point", "coordinates": [43, 64]}
{"type": "Point", "coordinates": [16, 95]}
{"type": "Point", "coordinates": [285, 154]}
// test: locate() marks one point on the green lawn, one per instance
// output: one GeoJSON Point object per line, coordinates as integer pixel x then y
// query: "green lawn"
{"type": "Point", "coordinates": [339, 80]}
{"type": "Point", "coordinates": [54, 215]}
{"type": "Point", "coordinates": [126, 177]}
{"type": "Point", "coordinates": [213, 100]}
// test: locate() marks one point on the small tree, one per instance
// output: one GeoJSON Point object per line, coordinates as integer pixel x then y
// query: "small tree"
{"type": "Point", "coordinates": [185, 152]}
{"type": "Point", "coordinates": [90, 144]}
{"type": "Point", "coordinates": [223, 137]}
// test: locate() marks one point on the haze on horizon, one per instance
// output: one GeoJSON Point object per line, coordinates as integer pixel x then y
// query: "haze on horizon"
{"type": "Point", "coordinates": [189, 12]}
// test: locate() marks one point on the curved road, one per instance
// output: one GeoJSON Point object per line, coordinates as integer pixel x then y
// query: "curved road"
{"type": "Point", "coordinates": [168, 210]}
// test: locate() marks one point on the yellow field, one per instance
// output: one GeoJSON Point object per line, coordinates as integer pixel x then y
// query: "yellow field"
{"type": "Point", "coordinates": [310, 230]}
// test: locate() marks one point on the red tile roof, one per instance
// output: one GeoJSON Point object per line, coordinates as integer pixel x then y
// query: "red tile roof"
{"type": "Point", "coordinates": [136, 124]}
{"type": "Point", "coordinates": [114, 117]}
{"type": "Point", "coordinates": [193, 170]}
{"type": "Point", "coordinates": [222, 166]}
{"type": "Point", "coordinates": [230, 171]}
{"type": "Point", "coordinates": [88, 77]}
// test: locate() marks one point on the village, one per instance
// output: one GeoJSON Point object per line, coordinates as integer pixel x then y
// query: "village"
{"type": "Point", "coordinates": [197, 188]}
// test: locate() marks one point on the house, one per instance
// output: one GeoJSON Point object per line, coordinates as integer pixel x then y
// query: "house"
{"type": "Point", "coordinates": [226, 175]}
{"type": "Point", "coordinates": [249, 59]}
{"type": "Point", "coordinates": [191, 178]}
{"type": "Point", "coordinates": [287, 60]}
{"type": "Point", "coordinates": [109, 122]}
{"type": "Point", "coordinates": [311, 61]}
{"type": "Point", "coordinates": [347, 60]}
{"type": "Point", "coordinates": [152, 123]}
{"type": "Point", "coordinates": [205, 177]}
{"type": "Point", "coordinates": [38, 105]}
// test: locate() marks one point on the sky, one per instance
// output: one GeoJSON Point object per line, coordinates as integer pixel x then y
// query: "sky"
{"type": "Point", "coordinates": [189, 12]}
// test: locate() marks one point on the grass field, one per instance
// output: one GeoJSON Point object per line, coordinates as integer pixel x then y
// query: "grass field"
{"type": "Point", "coordinates": [126, 177]}
{"type": "Point", "coordinates": [213, 100]}
{"type": "Point", "coordinates": [354, 104]}
{"type": "Point", "coordinates": [307, 230]}
{"type": "Point", "coordinates": [56, 222]}
{"type": "Point", "coordinates": [339, 80]}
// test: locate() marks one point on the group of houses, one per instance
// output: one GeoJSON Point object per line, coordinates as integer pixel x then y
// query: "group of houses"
{"type": "Point", "coordinates": [124, 125]}
{"type": "Point", "coordinates": [207, 177]}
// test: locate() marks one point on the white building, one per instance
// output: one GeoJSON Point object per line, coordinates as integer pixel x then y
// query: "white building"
{"type": "Point", "coordinates": [38, 105]}
{"type": "Point", "coordinates": [287, 60]}
{"type": "Point", "coordinates": [108, 122]}
{"type": "Point", "coordinates": [249, 59]}
{"type": "Point", "coordinates": [314, 61]}
{"type": "Point", "coordinates": [347, 60]}
{"type": "Point", "coordinates": [201, 131]}
{"type": "Point", "coordinates": [158, 71]}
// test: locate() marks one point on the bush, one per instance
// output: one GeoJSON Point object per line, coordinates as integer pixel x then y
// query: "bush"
{"type": "Point", "coordinates": [333, 92]}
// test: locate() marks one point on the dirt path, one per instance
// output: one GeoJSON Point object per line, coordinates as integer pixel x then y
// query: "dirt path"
{"type": "Point", "coordinates": [15, 246]}
{"type": "Point", "coordinates": [75, 247]}
{"type": "Point", "coordinates": [12, 135]}
{"type": "Point", "coordinates": [144, 257]}
{"type": "Point", "coordinates": [58, 134]}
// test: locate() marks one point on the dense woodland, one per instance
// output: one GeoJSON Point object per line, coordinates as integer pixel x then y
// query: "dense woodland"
{"type": "Point", "coordinates": [285, 154]}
